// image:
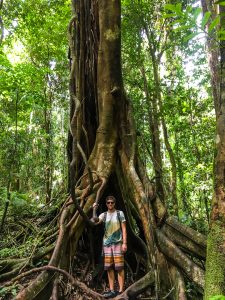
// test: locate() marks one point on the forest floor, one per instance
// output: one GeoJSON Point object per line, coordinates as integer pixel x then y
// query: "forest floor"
{"type": "Point", "coordinates": [27, 241]}
{"type": "Point", "coordinates": [28, 234]}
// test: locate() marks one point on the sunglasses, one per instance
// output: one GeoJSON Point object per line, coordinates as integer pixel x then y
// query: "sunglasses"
{"type": "Point", "coordinates": [110, 202]}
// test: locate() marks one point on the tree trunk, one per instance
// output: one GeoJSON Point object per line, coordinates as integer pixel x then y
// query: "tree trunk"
{"type": "Point", "coordinates": [213, 54]}
{"type": "Point", "coordinates": [48, 159]}
{"type": "Point", "coordinates": [158, 111]}
{"type": "Point", "coordinates": [215, 271]}
{"type": "Point", "coordinates": [155, 137]}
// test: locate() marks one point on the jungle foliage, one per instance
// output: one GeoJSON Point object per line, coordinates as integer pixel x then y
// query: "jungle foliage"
{"type": "Point", "coordinates": [169, 93]}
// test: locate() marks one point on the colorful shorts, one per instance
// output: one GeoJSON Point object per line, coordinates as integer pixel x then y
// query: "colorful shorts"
{"type": "Point", "coordinates": [113, 257]}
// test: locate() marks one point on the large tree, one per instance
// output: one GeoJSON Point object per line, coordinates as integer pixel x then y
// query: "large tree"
{"type": "Point", "coordinates": [215, 270]}
{"type": "Point", "coordinates": [104, 159]}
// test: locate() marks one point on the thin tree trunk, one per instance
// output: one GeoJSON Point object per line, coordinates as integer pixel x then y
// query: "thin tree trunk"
{"type": "Point", "coordinates": [6, 207]}
{"type": "Point", "coordinates": [1, 23]}
{"type": "Point", "coordinates": [48, 163]}
{"type": "Point", "coordinates": [213, 54]}
{"type": "Point", "coordinates": [158, 96]}
{"type": "Point", "coordinates": [48, 139]}
{"type": "Point", "coordinates": [180, 173]}
{"type": "Point", "coordinates": [155, 138]}
{"type": "Point", "coordinates": [16, 157]}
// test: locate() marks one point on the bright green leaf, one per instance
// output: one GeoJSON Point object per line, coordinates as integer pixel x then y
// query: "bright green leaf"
{"type": "Point", "coordinates": [167, 16]}
{"type": "Point", "coordinates": [217, 297]}
{"type": "Point", "coordinates": [171, 7]}
{"type": "Point", "coordinates": [178, 21]}
{"type": "Point", "coordinates": [220, 2]}
{"type": "Point", "coordinates": [179, 8]}
{"type": "Point", "coordinates": [190, 36]}
{"type": "Point", "coordinates": [176, 8]}
{"type": "Point", "coordinates": [214, 23]}
{"type": "Point", "coordinates": [197, 12]}
{"type": "Point", "coordinates": [221, 32]}
{"type": "Point", "coordinates": [183, 27]}
{"type": "Point", "coordinates": [205, 19]}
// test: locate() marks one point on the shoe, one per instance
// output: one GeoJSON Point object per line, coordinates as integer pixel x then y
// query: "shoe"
{"type": "Point", "coordinates": [109, 294]}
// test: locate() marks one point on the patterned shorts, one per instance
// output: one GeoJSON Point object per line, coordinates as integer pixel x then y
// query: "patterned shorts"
{"type": "Point", "coordinates": [113, 257]}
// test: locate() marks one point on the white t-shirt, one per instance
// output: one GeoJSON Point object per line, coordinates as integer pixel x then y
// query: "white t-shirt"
{"type": "Point", "coordinates": [113, 233]}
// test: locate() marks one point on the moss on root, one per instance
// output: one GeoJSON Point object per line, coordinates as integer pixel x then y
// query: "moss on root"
{"type": "Point", "coordinates": [215, 264]}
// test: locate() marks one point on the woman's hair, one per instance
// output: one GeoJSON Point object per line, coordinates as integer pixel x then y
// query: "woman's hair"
{"type": "Point", "coordinates": [110, 197]}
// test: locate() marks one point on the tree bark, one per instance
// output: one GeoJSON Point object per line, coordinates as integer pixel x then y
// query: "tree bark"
{"type": "Point", "coordinates": [213, 54]}
{"type": "Point", "coordinates": [215, 271]}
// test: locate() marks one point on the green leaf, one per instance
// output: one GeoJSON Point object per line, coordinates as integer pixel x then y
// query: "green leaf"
{"type": "Point", "coordinates": [183, 27]}
{"type": "Point", "coordinates": [197, 12]}
{"type": "Point", "coordinates": [205, 19]}
{"type": "Point", "coordinates": [167, 16]}
{"type": "Point", "coordinates": [217, 297]}
{"type": "Point", "coordinates": [190, 36]}
{"type": "Point", "coordinates": [220, 2]}
{"type": "Point", "coordinates": [171, 7]}
{"type": "Point", "coordinates": [178, 21]}
{"type": "Point", "coordinates": [221, 32]}
{"type": "Point", "coordinates": [176, 8]}
{"type": "Point", "coordinates": [179, 8]}
{"type": "Point", "coordinates": [214, 23]}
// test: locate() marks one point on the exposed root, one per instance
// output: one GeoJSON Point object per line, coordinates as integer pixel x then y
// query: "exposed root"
{"type": "Point", "coordinates": [178, 284]}
{"type": "Point", "coordinates": [142, 204]}
{"type": "Point", "coordinates": [55, 290]}
{"type": "Point", "coordinates": [183, 241]}
{"type": "Point", "coordinates": [49, 239]}
{"type": "Point", "coordinates": [190, 233]}
{"type": "Point", "coordinates": [179, 258]}
{"type": "Point", "coordinates": [44, 278]}
{"type": "Point", "coordinates": [15, 266]}
{"type": "Point", "coordinates": [12, 273]}
{"type": "Point", "coordinates": [11, 262]}
{"type": "Point", "coordinates": [82, 177]}
{"type": "Point", "coordinates": [91, 181]}
{"type": "Point", "coordinates": [138, 287]}
{"type": "Point", "coordinates": [100, 190]}
{"type": "Point", "coordinates": [73, 281]}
